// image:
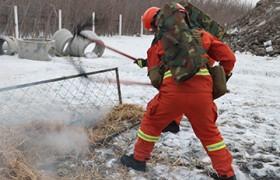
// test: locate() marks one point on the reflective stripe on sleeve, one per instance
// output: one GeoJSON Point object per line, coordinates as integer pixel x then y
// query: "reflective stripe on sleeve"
{"type": "Point", "coordinates": [201, 72]}
{"type": "Point", "coordinates": [167, 74]}
{"type": "Point", "coordinates": [147, 137]}
{"type": "Point", "coordinates": [216, 146]}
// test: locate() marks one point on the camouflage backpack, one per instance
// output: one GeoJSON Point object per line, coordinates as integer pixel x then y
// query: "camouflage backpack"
{"type": "Point", "coordinates": [182, 46]}
{"type": "Point", "coordinates": [198, 19]}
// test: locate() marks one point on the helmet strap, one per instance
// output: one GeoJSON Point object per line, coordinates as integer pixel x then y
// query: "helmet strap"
{"type": "Point", "coordinates": [153, 21]}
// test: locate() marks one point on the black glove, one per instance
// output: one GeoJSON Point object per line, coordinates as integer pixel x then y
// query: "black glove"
{"type": "Point", "coordinates": [141, 62]}
{"type": "Point", "coordinates": [228, 76]}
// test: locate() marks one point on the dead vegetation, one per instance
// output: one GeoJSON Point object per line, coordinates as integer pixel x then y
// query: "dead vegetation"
{"type": "Point", "coordinates": [13, 163]}
{"type": "Point", "coordinates": [121, 118]}
{"type": "Point", "coordinates": [51, 150]}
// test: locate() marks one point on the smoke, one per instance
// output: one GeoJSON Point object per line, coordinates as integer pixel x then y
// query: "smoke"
{"type": "Point", "coordinates": [66, 140]}
{"type": "Point", "coordinates": [49, 145]}
{"type": "Point", "coordinates": [90, 117]}
{"type": "Point", "coordinates": [46, 141]}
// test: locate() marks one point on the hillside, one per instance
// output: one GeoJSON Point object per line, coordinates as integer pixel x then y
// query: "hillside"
{"type": "Point", "coordinates": [260, 25]}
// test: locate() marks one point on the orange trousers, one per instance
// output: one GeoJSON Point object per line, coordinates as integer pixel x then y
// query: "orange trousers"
{"type": "Point", "coordinates": [201, 111]}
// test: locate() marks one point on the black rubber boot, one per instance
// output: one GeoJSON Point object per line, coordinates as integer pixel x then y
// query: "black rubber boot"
{"type": "Point", "coordinates": [216, 177]}
{"type": "Point", "coordinates": [172, 127]}
{"type": "Point", "coordinates": [129, 161]}
{"type": "Point", "coordinates": [228, 178]}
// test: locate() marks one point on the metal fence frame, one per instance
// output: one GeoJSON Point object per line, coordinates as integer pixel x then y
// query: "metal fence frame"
{"type": "Point", "coordinates": [63, 79]}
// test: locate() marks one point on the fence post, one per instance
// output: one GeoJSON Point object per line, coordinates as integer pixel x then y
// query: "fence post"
{"type": "Point", "coordinates": [118, 85]}
{"type": "Point", "coordinates": [16, 22]}
{"type": "Point", "coordinates": [141, 30]}
{"type": "Point", "coordinates": [93, 21]}
{"type": "Point", "coordinates": [120, 25]}
{"type": "Point", "coordinates": [59, 19]}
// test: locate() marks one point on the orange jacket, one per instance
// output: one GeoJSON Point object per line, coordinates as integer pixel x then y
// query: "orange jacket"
{"type": "Point", "coordinates": [216, 52]}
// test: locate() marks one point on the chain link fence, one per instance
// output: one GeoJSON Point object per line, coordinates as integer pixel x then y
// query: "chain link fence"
{"type": "Point", "coordinates": [69, 98]}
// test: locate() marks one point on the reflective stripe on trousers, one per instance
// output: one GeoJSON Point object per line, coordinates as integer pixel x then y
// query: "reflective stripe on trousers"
{"type": "Point", "coordinates": [147, 137]}
{"type": "Point", "coordinates": [216, 146]}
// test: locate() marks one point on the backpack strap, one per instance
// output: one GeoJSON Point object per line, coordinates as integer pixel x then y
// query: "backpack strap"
{"type": "Point", "coordinates": [197, 34]}
{"type": "Point", "coordinates": [157, 37]}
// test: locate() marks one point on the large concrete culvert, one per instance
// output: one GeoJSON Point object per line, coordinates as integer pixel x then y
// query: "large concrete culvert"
{"type": "Point", "coordinates": [8, 45]}
{"type": "Point", "coordinates": [87, 46]}
{"type": "Point", "coordinates": [62, 38]}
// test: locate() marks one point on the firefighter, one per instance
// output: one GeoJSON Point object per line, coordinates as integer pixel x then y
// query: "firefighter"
{"type": "Point", "coordinates": [193, 98]}
{"type": "Point", "coordinates": [150, 63]}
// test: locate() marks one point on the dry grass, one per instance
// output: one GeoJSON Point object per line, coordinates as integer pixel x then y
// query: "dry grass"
{"type": "Point", "coordinates": [13, 163]}
{"type": "Point", "coordinates": [121, 118]}
{"type": "Point", "coordinates": [16, 166]}
{"type": "Point", "coordinates": [23, 147]}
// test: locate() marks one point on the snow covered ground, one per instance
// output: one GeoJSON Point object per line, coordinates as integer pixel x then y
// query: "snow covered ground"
{"type": "Point", "coordinates": [249, 116]}
{"type": "Point", "coordinates": [253, 2]}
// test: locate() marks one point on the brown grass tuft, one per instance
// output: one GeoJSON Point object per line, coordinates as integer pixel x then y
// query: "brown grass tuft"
{"type": "Point", "coordinates": [121, 118]}
{"type": "Point", "coordinates": [15, 165]}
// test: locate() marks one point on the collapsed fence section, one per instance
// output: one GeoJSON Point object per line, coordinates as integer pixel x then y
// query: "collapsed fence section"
{"type": "Point", "coordinates": [72, 98]}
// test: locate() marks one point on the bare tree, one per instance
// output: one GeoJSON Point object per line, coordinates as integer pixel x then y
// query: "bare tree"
{"type": "Point", "coordinates": [37, 16]}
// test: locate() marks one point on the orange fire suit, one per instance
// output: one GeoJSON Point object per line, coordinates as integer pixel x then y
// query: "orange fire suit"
{"type": "Point", "coordinates": [193, 98]}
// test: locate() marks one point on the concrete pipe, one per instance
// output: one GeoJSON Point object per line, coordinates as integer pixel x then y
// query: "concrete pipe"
{"type": "Point", "coordinates": [36, 49]}
{"type": "Point", "coordinates": [8, 45]}
{"type": "Point", "coordinates": [98, 44]}
{"type": "Point", "coordinates": [62, 38]}
{"type": "Point", "coordinates": [85, 47]}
